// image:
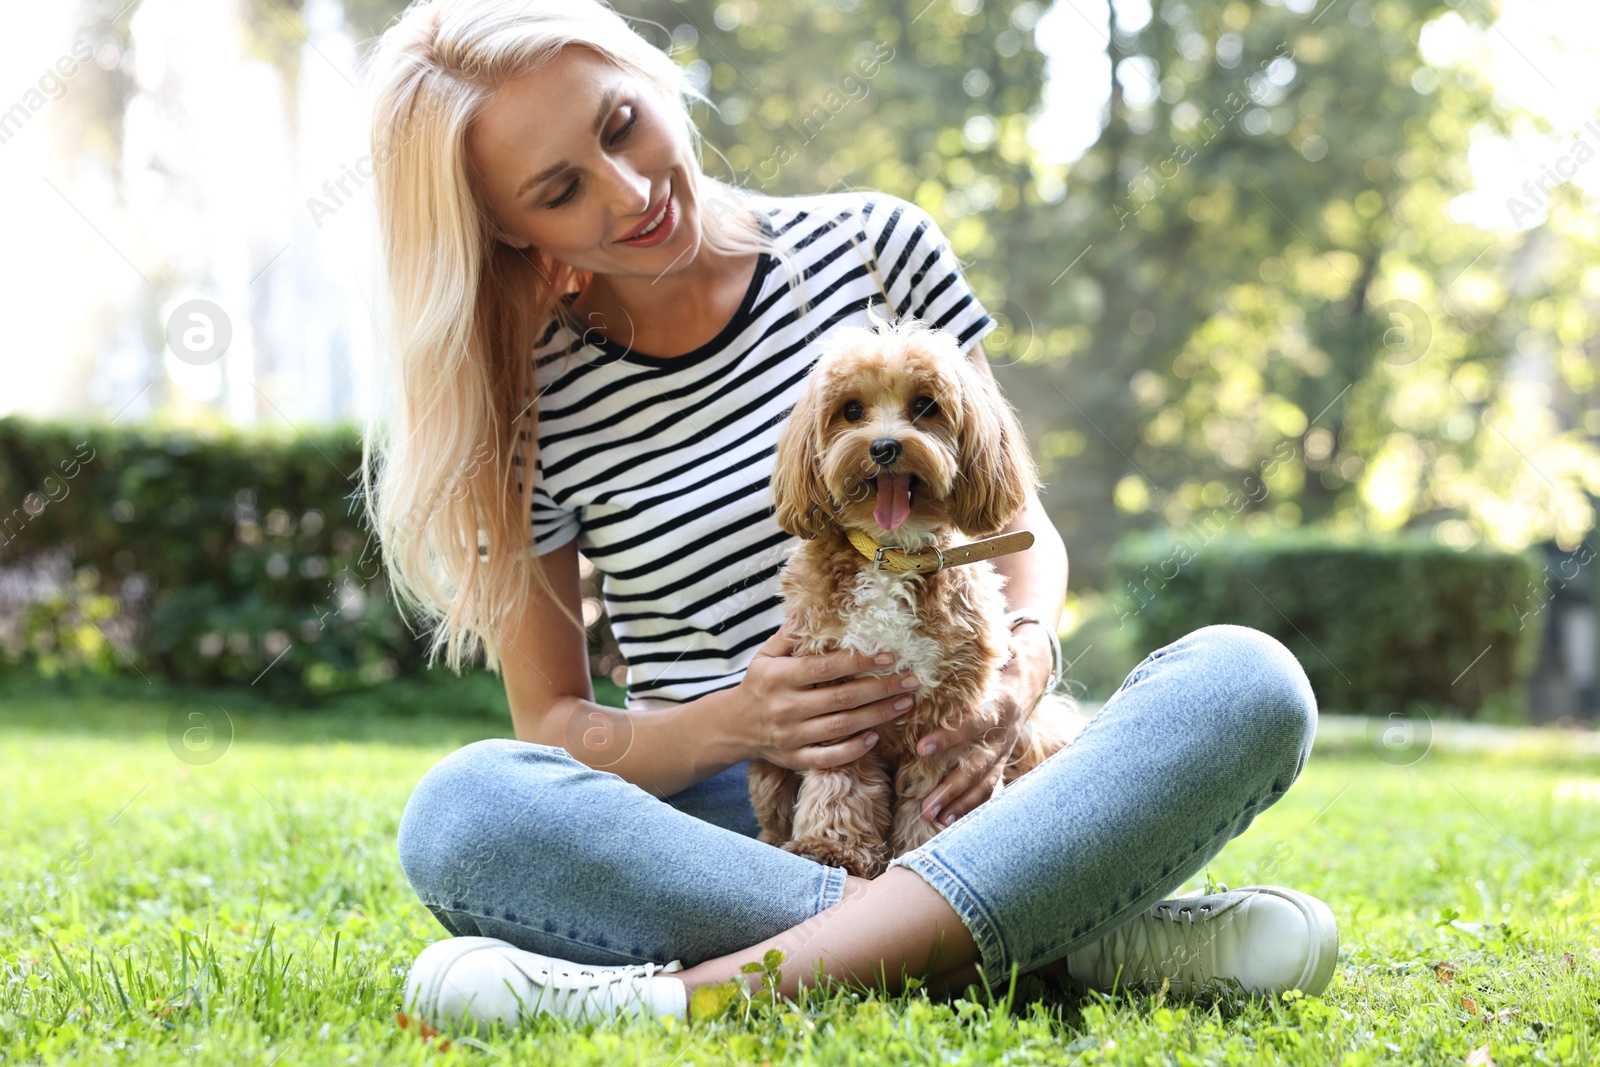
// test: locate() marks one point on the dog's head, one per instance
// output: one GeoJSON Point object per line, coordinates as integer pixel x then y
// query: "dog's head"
{"type": "Point", "coordinates": [898, 434]}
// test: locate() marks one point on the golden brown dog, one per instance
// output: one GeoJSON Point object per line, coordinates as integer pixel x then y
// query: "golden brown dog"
{"type": "Point", "coordinates": [899, 436]}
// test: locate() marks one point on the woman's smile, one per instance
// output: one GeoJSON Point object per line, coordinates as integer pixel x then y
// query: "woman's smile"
{"type": "Point", "coordinates": [658, 228]}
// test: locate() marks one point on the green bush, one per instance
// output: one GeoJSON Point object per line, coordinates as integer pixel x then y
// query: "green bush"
{"type": "Point", "coordinates": [1379, 625]}
{"type": "Point", "coordinates": [229, 557]}
{"type": "Point", "coordinates": [219, 557]}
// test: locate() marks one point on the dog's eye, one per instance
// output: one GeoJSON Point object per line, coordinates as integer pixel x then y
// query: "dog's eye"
{"type": "Point", "coordinates": [853, 411]}
{"type": "Point", "coordinates": [923, 405]}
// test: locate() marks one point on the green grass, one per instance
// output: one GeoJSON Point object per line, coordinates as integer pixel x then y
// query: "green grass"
{"type": "Point", "coordinates": [251, 910]}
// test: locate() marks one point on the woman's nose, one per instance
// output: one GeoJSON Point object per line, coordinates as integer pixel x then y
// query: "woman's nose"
{"type": "Point", "coordinates": [631, 192]}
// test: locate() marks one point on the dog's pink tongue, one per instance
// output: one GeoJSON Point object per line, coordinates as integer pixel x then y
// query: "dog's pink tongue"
{"type": "Point", "coordinates": [894, 500]}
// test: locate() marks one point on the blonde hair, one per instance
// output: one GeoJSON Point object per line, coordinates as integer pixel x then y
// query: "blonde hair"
{"type": "Point", "coordinates": [461, 310]}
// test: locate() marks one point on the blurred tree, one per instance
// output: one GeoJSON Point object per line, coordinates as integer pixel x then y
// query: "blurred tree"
{"type": "Point", "coordinates": [1267, 242]}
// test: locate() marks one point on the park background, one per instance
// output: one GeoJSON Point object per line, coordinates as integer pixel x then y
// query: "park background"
{"type": "Point", "coordinates": [1298, 303]}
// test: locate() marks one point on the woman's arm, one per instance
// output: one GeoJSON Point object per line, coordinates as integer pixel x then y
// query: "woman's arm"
{"type": "Point", "coordinates": [774, 713]}
{"type": "Point", "coordinates": [1036, 584]}
{"type": "Point", "coordinates": [545, 663]}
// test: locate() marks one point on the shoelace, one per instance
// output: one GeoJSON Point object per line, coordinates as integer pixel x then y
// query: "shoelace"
{"type": "Point", "coordinates": [1149, 947]}
{"type": "Point", "coordinates": [603, 991]}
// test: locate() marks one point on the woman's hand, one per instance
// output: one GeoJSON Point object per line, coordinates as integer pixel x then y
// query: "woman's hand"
{"type": "Point", "coordinates": [995, 722]}
{"type": "Point", "coordinates": [782, 719]}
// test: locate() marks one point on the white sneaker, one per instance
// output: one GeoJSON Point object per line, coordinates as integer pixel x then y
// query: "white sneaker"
{"type": "Point", "coordinates": [1268, 938]}
{"type": "Point", "coordinates": [482, 980]}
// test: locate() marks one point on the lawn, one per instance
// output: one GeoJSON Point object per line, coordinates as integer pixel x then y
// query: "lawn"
{"type": "Point", "coordinates": [243, 905]}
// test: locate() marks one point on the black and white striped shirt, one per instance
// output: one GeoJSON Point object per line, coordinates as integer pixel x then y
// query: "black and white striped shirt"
{"type": "Point", "coordinates": [660, 466]}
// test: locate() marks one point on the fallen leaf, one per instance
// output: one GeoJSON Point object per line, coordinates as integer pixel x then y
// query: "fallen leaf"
{"type": "Point", "coordinates": [1470, 1004]}
{"type": "Point", "coordinates": [1504, 1015]}
{"type": "Point", "coordinates": [1568, 961]}
{"type": "Point", "coordinates": [1479, 1057]}
{"type": "Point", "coordinates": [714, 999]}
{"type": "Point", "coordinates": [1446, 971]}
{"type": "Point", "coordinates": [422, 1030]}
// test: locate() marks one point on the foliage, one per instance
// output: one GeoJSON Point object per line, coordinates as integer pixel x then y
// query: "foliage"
{"type": "Point", "coordinates": [253, 911]}
{"type": "Point", "coordinates": [718, 1000]}
{"type": "Point", "coordinates": [1380, 625]}
{"type": "Point", "coordinates": [233, 557]}
{"type": "Point", "coordinates": [241, 555]}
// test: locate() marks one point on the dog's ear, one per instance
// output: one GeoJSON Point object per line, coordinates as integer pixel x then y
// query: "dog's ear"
{"type": "Point", "coordinates": [801, 503]}
{"type": "Point", "coordinates": [997, 471]}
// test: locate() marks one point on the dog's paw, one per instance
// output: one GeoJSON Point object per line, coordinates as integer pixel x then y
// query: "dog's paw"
{"type": "Point", "coordinates": [913, 833]}
{"type": "Point", "coordinates": [856, 859]}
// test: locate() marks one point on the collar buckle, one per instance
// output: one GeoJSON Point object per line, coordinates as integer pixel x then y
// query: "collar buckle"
{"type": "Point", "coordinates": [878, 560]}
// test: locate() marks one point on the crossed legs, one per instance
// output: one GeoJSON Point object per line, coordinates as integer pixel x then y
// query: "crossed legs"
{"type": "Point", "coordinates": [523, 843]}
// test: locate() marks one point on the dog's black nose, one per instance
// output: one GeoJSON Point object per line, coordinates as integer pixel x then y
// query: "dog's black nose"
{"type": "Point", "coordinates": [884, 451]}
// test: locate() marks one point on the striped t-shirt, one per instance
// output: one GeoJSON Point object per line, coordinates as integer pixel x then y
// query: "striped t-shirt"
{"type": "Point", "coordinates": [660, 466]}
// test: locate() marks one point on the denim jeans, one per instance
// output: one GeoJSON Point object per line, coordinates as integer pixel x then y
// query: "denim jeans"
{"type": "Point", "coordinates": [524, 843]}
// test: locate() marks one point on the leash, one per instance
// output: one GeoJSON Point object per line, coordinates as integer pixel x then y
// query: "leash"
{"type": "Point", "coordinates": [903, 562]}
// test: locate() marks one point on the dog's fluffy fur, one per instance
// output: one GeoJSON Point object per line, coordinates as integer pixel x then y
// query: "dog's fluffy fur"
{"type": "Point", "coordinates": [971, 473]}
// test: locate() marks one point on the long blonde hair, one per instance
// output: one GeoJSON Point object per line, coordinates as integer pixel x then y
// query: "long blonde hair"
{"type": "Point", "coordinates": [451, 496]}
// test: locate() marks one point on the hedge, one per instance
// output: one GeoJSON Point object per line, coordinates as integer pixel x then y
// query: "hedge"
{"type": "Point", "coordinates": [1381, 626]}
{"type": "Point", "coordinates": [226, 556]}
{"type": "Point", "coordinates": [234, 556]}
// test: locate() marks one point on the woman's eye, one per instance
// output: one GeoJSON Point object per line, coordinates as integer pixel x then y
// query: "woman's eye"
{"type": "Point", "coordinates": [923, 405]}
{"type": "Point", "coordinates": [853, 411]}
{"type": "Point", "coordinates": [616, 139]}
{"type": "Point", "coordinates": [626, 128]}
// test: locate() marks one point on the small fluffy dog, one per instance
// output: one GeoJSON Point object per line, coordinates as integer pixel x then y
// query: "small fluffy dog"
{"type": "Point", "coordinates": [899, 438]}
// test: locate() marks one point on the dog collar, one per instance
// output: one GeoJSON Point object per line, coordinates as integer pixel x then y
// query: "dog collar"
{"type": "Point", "coordinates": [903, 562]}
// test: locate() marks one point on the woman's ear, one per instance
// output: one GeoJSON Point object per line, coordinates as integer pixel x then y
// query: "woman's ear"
{"type": "Point", "coordinates": [997, 471]}
{"type": "Point", "coordinates": [801, 502]}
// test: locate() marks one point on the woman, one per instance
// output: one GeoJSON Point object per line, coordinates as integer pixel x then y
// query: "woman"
{"type": "Point", "coordinates": [539, 192]}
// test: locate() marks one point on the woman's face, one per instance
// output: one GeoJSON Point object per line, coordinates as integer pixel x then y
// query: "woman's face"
{"type": "Point", "coordinates": [577, 156]}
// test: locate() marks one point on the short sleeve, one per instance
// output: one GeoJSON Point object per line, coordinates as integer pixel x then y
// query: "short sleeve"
{"type": "Point", "coordinates": [553, 526]}
{"type": "Point", "coordinates": [921, 273]}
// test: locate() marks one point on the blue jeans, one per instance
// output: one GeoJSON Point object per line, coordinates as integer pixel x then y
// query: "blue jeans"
{"type": "Point", "coordinates": [524, 843]}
